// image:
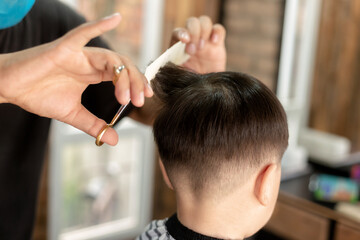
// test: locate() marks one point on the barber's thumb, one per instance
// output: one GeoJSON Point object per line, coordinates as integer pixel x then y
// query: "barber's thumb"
{"type": "Point", "coordinates": [110, 22]}
{"type": "Point", "coordinates": [92, 125]}
{"type": "Point", "coordinates": [87, 31]}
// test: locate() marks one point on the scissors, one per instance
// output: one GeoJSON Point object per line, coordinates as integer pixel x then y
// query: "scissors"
{"type": "Point", "coordinates": [175, 54]}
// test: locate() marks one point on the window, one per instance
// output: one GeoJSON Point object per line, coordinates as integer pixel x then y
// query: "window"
{"type": "Point", "coordinates": [106, 192]}
{"type": "Point", "coordinates": [299, 40]}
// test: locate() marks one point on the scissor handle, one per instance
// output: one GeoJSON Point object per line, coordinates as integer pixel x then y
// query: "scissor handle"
{"type": "Point", "coordinates": [98, 141]}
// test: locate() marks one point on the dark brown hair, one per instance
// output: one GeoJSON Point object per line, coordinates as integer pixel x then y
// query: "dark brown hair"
{"type": "Point", "coordinates": [213, 124]}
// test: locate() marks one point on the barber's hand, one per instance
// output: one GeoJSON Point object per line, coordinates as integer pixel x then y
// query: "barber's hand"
{"type": "Point", "coordinates": [205, 44]}
{"type": "Point", "coordinates": [49, 80]}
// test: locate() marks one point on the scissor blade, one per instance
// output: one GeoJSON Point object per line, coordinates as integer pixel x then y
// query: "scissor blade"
{"type": "Point", "coordinates": [175, 54]}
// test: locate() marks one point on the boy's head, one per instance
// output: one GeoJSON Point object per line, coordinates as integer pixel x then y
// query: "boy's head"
{"type": "Point", "coordinates": [215, 131]}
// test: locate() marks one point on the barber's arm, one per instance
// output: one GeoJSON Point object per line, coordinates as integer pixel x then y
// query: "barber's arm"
{"type": "Point", "coordinates": [49, 80]}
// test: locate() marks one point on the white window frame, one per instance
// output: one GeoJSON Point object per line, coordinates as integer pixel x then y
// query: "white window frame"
{"type": "Point", "coordinates": [297, 53]}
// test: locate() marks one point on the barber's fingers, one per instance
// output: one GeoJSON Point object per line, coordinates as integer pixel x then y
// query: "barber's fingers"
{"type": "Point", "coordinates": [199, 29]}
{"type": "Point", "coordinates": [90, 124]}
{"type": "Point", "coordinates": [129, 83]}
{"type": "Point", "coordinates": [122, 87]}
{"type": "Point", "coordinates": [179, 34]}
{"type": "Point", "coordinates": [206, 28]}
{"type": "Point", "coordinates": [197, 32]}
{"type": "Point", "coordinates": [132, 83]}
{"type": "Point", "coordinates": [81, 35]}
{"type": "Point", "coordinates": [100, 64]}
{"type": "Point", "coordinates": [194, 28]}
{"type": "Point", "coordinates": [218, 34]}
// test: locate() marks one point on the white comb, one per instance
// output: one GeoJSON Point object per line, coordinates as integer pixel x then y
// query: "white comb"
{"type": "Point", "coordinates": [175, 54]}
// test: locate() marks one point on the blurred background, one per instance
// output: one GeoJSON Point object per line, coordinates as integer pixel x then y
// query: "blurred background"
{"type": "Point", "coordinates": [306, 51]}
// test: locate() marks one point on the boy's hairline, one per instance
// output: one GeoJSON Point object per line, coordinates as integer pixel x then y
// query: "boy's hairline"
{"type": "Point", "coordinates": [247, 170]}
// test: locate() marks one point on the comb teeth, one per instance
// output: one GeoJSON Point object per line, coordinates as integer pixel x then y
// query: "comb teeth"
{"type": "Point", "coordinates": [175, 54]}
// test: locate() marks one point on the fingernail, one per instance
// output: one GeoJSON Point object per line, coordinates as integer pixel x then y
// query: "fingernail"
{"type": "Point", "coordinates": [127, 95]}
{"type": "Point", "coordinates": [111, 16]}
{"type": "Point", "coordinates": [149, 88]}
{"type": "Point", "coordinates": [201, 44]}
{"type": "Point", "coordinates": [192, 49]}
{"type": "Point", "coordinates": [215, 38]}
{"type": "Point", "coordinates": [141, 98]}
{"type": "Point", "coordinates": [184, 36]}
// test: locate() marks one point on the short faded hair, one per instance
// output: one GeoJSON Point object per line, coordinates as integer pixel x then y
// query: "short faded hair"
{"type": "Point", "coordinates": [213, 126]}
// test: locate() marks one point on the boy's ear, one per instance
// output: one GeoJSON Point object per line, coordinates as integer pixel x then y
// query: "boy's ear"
{"type": "Point", "coordinates": [165, 176]}
{"type": "Point", "coordinates": [267, 184]}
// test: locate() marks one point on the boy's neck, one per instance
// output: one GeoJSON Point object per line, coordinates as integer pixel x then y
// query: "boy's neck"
{"type": "Point", "coordinates": [229, 218]}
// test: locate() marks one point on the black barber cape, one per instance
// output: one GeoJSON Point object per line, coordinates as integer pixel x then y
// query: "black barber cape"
{"type": "Point", "coordinates": [23, 136]}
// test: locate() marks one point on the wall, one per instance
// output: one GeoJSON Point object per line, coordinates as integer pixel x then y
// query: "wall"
{"type": "Point", "coordinates": [40, 228]}
{"type": "Point", "coordinates": [335, 95]}
{"type": "Point", "coordinates": [253, 37]}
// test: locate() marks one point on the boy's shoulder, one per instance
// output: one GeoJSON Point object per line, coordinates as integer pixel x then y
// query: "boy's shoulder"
{"type": "Point", "coordinates": [156, 230]}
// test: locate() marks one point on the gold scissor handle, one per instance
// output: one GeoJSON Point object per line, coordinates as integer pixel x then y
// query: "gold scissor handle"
{"type": "Point", "coordinates": [98, 141]}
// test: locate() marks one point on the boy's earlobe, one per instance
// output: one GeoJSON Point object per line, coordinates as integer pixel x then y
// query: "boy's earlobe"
{"type": "Point", "coordinates": [165, 175]}
{"type": "Point", "coordinates": [267, 184]}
